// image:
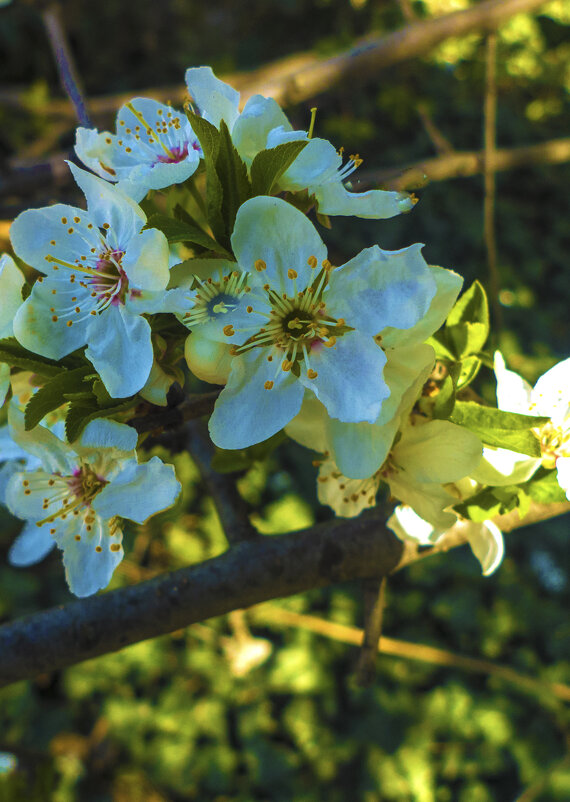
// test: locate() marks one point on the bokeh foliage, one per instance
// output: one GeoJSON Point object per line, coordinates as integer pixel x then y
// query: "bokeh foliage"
{"type": "Point", "coordinates": [210, 713]}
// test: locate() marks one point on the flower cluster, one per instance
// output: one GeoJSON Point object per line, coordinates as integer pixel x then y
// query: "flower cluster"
{"type": "Point", "coordinates": [200, 239]}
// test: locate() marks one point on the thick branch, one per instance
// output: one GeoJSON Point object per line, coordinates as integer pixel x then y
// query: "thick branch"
{"type": "Point", "coordinates": [249, 573]}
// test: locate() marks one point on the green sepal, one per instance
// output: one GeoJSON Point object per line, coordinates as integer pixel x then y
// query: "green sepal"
{"type": "Point", "coordinates": [494, 501]}
{"type": "Point", "coordinates": [445, 399]}
{"type": "Point", "coordinates": [498, 428]}
{"type": "Point", "coordinates": [468, 370]}
{"type": "Point", "coordinates": [269, 165]}
{"type": "Point", "coordinates": [467, 326]}
{"type": "Point", "coordinates": [55, 393]}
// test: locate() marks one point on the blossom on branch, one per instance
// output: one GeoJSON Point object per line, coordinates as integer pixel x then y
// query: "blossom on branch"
{"type": "Point", "coordinates": [308, 326]}
{"type": "Point", "coordinates": [79, 495]}
{"type": "Point", "coordinates": [154, 147]}
{"type": "Point", "coordinates": [319, 167]}
{"type": "Point", "coordinates": [103, 272]}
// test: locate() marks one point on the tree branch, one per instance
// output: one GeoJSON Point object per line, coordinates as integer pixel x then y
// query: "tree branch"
{"type": "Point", "coordinates": [248, 573]}
{"type": "Point", "coordinates": [232, 510]}
{"type": "Point", "coordinates": [301, 76]}
{"type": "Point", "coordinates": [463, 164]}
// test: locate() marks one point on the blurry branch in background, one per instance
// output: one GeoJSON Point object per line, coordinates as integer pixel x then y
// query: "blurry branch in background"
{"type": "Point", "coordinates": [374, 602]}
{"type": "Point", "coordinates": [280, 617]}
{"type": "Point", "coordinates": [490, 135]}
{"type": "Point", "coordinates": [463, 164]}
{"type": "Point", "coordinates": [302, 76]}
{"type": "Point", "coordinates": [67, 69]}
{"type": "Point", "coordinates": [194, 405]}
{"type": "Point", "coordinates": [248, 573]}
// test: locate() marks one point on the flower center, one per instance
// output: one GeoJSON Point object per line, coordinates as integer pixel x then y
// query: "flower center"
{"type": "Point", "coordinates": [65, 495]}
{"type": "Point", "coordinates": [298, 323]}
{"type": "Point", "coordinates": [554, 443]}
{"type": "Point", "coordinates": [215, 299]}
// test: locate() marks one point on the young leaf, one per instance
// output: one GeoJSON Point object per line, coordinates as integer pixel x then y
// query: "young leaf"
{"type": "Point", "coordinates": [269, 165]}
{"type": "Point", "coordinates": [498, 428]}
{"type": "Point", "coordinates": [209, 138]}
{"type": "Point", "coordinates": [53, 394]}
{"type": "Point", "coordinates": [544, 488]}
{"type": "Point", "coordinates": [177, 230]}
{"type": "Point", "coordinates": [445, 399]}
{"type": "Point", "coordinates": [80, 413]}
{"type": "Point", "coordinates": [232, 173]}
{"type": "Point", "coordinates": [472, 307]}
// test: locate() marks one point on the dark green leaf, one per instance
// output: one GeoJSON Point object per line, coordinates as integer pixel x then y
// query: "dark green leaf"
{"type": "Point", "coordinates": [53, 394]}
{"type": "Point", "coordinates": [81, 413]}
{"type": "Point", "coordinates": [445, 399]}
{"type": "Point", "coordinates": [209, 138]}
{"type": "Point", "coordinates": [232, 173]}
{"type": "Point", "coordinates": [177, 230]}
{"type": "Point", "coordinates": [498, 428]}
{"type": "Point", "coordinates": [472, 307]}
{"type": "Point", "coordinates": [269, 165]}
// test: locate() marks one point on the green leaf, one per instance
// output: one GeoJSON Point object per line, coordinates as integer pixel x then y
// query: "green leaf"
{"type": "Point", "coordinates": [469, 368]}
{"type": "Point", "coordinates": [269, 165]}
{"type": "Point", "coordinates": [232, 173]}
{"type": "Point", "coordinates": [81, 413]}
{"type": "Point", "coordinates": [210, 138]}
{"type": "Point", "coordinates": [445, 399]}
{"type": "Point", "coordinates": [55, 393]}
{"type": "Point", "coordinates": [498, 428]}
{"type": "Point", "coordinates": [472, 307]}
{"type": "Point", "coordinates": [481, 506]}
{"type": "Point", "coordinates": [177, 230]}
{"type": "Point", "coordinates": [12, 353]}
{"type": "Point", "coordinates": [467, 325]}
{"type": "Point", "coordinates": [544, 488]}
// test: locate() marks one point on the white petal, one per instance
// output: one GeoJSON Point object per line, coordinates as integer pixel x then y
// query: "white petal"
{"type": "Point", "coordinates": [347, 497]}
{"type": "Point", "coordinates": [32, 545]}
{"type": "Point", "coordinates": [11, 283]}
{"type": "Point", "coordinates": [406, 524]}
{"type": "Point", "coordinates": [376, 204]}
{"type": "Point", "coordinates": [563, 474]}
{"type": "Point", "coordinates": [486, 541]}
{"type": "Point", "coordinates": [513, 392]}
{"type": "Point", "coordinates": [90, 561]}
{"type": "Point", "coordinates": [309, 427]}
{"type": "Point", "coordinates": [259, 117]}
{"type": "Point", "coordinates": [438, 451]}
{"type": "Point", "coordinates": [215, 99]}
{"type": "Point", "coordinates": [271, 230]}
{"type": "Point", "coordinates": [139, 491]}
{"type": "Point", "coordinates": [146, 260]}
{"type": "Point", "coordinates": [246, 412]}
{"type": "Point", "coordinates": [359, 449]}
{"type": "Point", "coordinates": [551, 393]}
{"type": "Point", "coordinates": [120, 349]}
{"type": "Point", "coordinates": [382, 288]}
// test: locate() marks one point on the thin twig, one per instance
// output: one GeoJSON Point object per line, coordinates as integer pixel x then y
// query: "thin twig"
{"type": "Point", "coordinates": [411, 651]}
{"type": "Point", "coordinates": [232, 510]}
{"type": "Point", "coordinates": [489, 177]}
{"type": "Point", "coordinates": [374, 601]}
{"type": "Point", "coordinates": [66, 66]}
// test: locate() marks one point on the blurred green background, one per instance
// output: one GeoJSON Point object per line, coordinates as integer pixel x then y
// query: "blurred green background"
{"type": "Point", "coordinates": [250, 707]}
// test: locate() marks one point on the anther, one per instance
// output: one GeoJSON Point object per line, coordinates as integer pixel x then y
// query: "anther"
{"type": "Point", "coordinates": [292, 273]}
{"type": "Point", "coordinates": [312, 374]}
{"type": "Point", "coordinates": [228, 330]}
{"type": "Point", "coordinates": [312, 261]}
{"type": "Point", "coordinates": [260, 265]}
{"type": "Point", "coordinates": [268, 385]}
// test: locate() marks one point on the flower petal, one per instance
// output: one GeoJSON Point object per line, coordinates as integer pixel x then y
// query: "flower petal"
{"type": "Point", "coordinates": [514, 394]}
{"type": "Point", "coordinates": [406, 524]}
{"type": "Point", "coordinates": [448, 284]}
{"type": "Point", "coordinates": [146, 260]}
{"type": "Point", "coordinates": [309, 427]}
{"type": "Point", "coordinates": [382, 288]}
{"type": "Point", "coordinates": [563, 474]}
{"type": "Point", "coordinates": [34, 324]}
{"type": "Point", "coordinates": [359, 449]}
{"type": "Point", "coordinates": [349, 379]}
{"type": "Point", "coordinates": [376, 204]}
{"type": "Point", "coordinates": [32, 545]}
{"type": "Point", "coordinates": [317, 164]}
{"type": "Point", "coordinates": [437, 451]}
{"type": "Point", "coordinates": [429, 501]}
{"type": "Point", "coordinates": [139, 491]}
{"type": "Point", "coordinates": [551, 393]}
{"type": "Point", "coordinates": [347, 497]}
{"type": "Point", "coordinates": [103, 434]}
{"type": "Point", "coordinates": [246, 412]}
{"type": "Point", "coordinates": [486, 541]}
{"type": "Point", "coordinates": [215, 99]}
{"type": "Point", "coordinates": [108, 206]}
{"type": "Point", "coordinates": [271, 230]}
{"type": "Point", "coordinates": [120, 349]}
{"type": "Point", "coordinates": [11, 283]}
{"type": "Point", "coordinates": [259, 117]}
{"type": "Point", "coordinates": [91, 552]}
{"type": "Point", "coordinates": [405, 373]}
